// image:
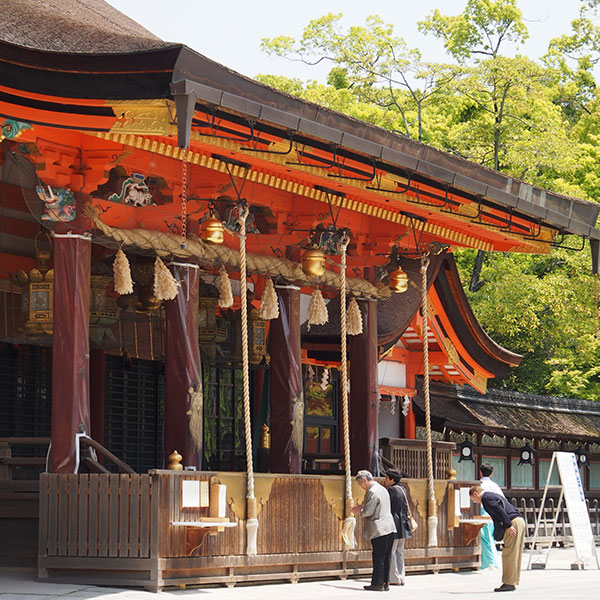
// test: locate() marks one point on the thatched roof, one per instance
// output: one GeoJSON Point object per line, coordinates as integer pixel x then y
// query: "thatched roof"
{"type": "Point", "coordinates": [78, 26]}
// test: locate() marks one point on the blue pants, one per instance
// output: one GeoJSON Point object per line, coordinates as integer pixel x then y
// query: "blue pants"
{"type": "Point", "coordinates": [489, 554]}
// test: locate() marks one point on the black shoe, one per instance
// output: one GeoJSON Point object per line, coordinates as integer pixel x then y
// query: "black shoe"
{"type": "Point", "coordinates": [506, 587]}
{"type": "Point", "coordinates": [375, 588]}
{"type": "Point", "coordinates": [386, 587]}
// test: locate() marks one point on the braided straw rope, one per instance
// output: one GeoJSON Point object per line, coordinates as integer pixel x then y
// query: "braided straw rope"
{"type": "Point", "coordinates": [350, 521]}
{"type": "Point", "coordinates": [169, 245]}
{"type": "Point", "coordinates": [251, 516]}
{"type": "Point", "coordinates": [432, 519]}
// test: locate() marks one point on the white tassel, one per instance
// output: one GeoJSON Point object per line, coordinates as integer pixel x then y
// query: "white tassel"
{"type": "Point", "coordinates": [224, 287]}
{"type": "Point", "coordinates": [354, 325]}
{"type": "Point", "coordinates": [348, 533]}
{"type": "Point", "coordinates": [251, 536]}
{"type": "Point", "coordinates": [122, 274]}
{"type": "Point", "coordinates": [432, 523]}
{"type": "Point", "coordinates": [269, 306]}
{"type": "Point", "coordinates": [165, 285]}
{"type": "Point", "coordinates": [317, 310]}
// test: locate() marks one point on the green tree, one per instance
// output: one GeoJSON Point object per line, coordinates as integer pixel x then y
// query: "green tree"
{"type": "Point", "coordinates": [371, 61]}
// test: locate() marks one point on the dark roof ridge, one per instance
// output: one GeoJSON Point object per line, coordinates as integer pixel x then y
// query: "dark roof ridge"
{"type": "Point", "coordinates": [523, 400]}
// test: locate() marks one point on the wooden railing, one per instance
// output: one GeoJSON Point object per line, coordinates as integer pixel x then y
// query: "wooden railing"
{"type": "Point", "coordinates": [11, 464]}
{"type": "Point", "coordinates": [411, 456]}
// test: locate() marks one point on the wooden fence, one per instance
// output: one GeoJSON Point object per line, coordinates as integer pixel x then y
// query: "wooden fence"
{"type": "Point", "coordinates": [123, 530]}
{"type": "Point", "coordinates": [529, 508]}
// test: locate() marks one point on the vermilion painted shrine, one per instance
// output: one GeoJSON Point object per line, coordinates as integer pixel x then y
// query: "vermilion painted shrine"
{"type": "Point", "coordinates": [115, 140]}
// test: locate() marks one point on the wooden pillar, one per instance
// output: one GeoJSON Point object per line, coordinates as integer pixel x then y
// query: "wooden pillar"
{"type": "Point", "coordinates": [97, 394]}
{"type": "Point", "coordinates": [286, 384]}
{"type": "Point", "coordinates": [182, 365]}
{"type": "Point", "coordinates": [70, 349]}
{"type": "Point", "coordinates": [363, 390]}
{"type": "Point", "coordinates": [409, 431]}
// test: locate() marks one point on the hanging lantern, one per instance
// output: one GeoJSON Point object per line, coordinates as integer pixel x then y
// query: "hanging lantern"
{"type": "Point", "coordinates": [104, 311]}
{"type": "Point", "coordinates": [208, 296]}
{"type": "Point", "coordinates": [313, 262]}
{"type": "Point", "coordinates": [143, 276]}
{"type": "Point", "coordinates": [212, 230]}
{"type": "Point", "coordinates": [37, 297]}
{"type": "Point", "coordinates": [525, 455]}
{"type": "Point", "coordinates": [466, 451]}
{"type": "Point", "coordinates": [398, 281]}
{"type": "Point", "coordinates": [257, 337]}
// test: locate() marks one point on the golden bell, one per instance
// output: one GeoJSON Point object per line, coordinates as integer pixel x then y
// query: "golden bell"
{"type": "Point", "coordinates": [313, 262]}
{"type": "Point", "coordinates": [211, 230]}
{"type": "Point", "coordinates": [398, 281]}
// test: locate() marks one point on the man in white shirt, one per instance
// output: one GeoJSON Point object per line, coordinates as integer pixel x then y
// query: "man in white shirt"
{"type": "Point", "coordinates": [487, 484]}
{"type": "Point", "coordinates": [489, 555]}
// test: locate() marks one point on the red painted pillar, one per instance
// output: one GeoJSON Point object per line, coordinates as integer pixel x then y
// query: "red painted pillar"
{"type": "Point", "coordinates": [362, 352]}
{"type": "Point", "coordinates": [286, 384]}
{"type": "Point", "coordinates": [70, 349]}
{"type": "Point", "coordinates": [182, 364]}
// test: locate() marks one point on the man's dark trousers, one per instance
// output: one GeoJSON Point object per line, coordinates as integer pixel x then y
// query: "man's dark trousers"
{"type": "Point", "coordinates": [382, 547]}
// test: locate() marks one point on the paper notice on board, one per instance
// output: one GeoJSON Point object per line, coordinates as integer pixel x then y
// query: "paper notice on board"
{"type": "Point", "coordinates": [465, 500]}
{"type": "Point", "coordinates": [457, 503]}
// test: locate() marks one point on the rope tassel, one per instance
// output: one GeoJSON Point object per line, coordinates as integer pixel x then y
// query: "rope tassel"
{"type": "Point", "coordinates": [269, 306]}
{"type": "Point", "coordinates": [355, 324]}
{"type": "Point", "coordinates": [122, 274]}
{"type": "Point", "coordinates": [317, 310]}
{"type": "Point", "coordinates": [224, 286]}
{"type": "Point", "coordinates": [165, 286]}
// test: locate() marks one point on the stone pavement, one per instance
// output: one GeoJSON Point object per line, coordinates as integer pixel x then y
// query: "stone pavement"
{"type": "Point", "coordinates": [557, 582]}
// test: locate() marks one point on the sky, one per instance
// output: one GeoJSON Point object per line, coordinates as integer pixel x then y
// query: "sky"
{"type": "Point", "coordinates": [230, 31]}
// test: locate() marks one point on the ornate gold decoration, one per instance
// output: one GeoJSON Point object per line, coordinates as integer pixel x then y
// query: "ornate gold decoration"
{"type": "Point", "coordinates": [479, 382]}
{"type": "Point", "coordinates": [236, 490]}
{"type": "Point", "coordinates": [452, 352]}
{"type": "Point", "coordinates": [145, 117]}
{"type": "Point", "coordinates": [418, 492]}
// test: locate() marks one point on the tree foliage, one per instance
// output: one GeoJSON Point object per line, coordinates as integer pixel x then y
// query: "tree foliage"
{"type": "Point", "coordinates": [537, 119]}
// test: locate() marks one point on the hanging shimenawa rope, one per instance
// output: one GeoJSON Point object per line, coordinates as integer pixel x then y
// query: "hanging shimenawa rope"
{"type": "Point", "coordinates": [432, 520]}
{"type": "Point", "coordinates": [169, 245]}
{"type": "Point", "coordinates": [251, 514]}
{"type": "Point", "coordinates": [349, 521]}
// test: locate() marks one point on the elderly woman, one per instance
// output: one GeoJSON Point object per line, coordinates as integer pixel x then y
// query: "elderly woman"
{"type": "Point", "coordinates": [379, 528]}
{"type": "Point", "coordinates": [399, 506]}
